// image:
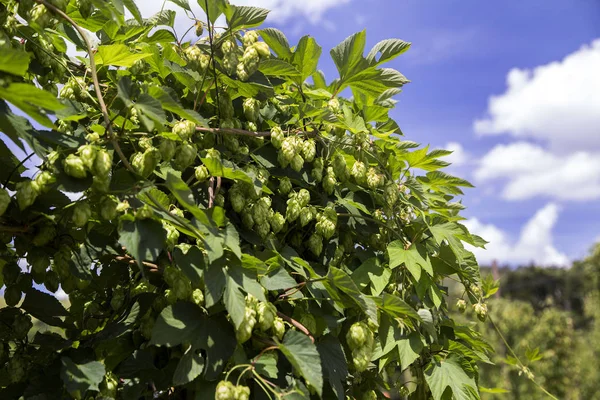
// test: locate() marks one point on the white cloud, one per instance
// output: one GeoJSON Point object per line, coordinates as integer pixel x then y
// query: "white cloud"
{"type": "Point", "coordinates": [530, 171]}
{"type": "Point", "coordinates": [557, 103]}
{"type": "Point", "coordinates": [535, 243]}
{"type": "Point", "coordinates": [281, 10]}
{"type": "Point", "coordinates": [458, 157]}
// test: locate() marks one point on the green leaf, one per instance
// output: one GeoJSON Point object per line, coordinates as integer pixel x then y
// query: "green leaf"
{"type": "Point", "coordinates": [44, 307]}
{"type": "Point", "coordinates": [374, 273]}
{"type": "Point", "coordinates": [144, 239]}
{"type": "Point", "coordinates": [14, 61]}
{"type": "Point", "coordinates": [150, 111]}
{"type": "Point", "coordinates": [118, 55]}
{"type": "Point", "coordinates": [161, 36]}
{"type": "Point", "coordinates": [216, 168]}
{"type": "Point", "coordinates": [246, 17]}
{"type": "Point", "coordinates": [449, 232]}
{"type": "Point", "coordinates": [81, 377]}
{"type": "Point", "coordinates": [343, 282]}
{"type": "Point", "coordinates": [334, 363]}
{"type": "Point", "coordinates": [303, 355]}
{"type": "Point", "coordinates": [215, 8]}
{"type": "Point", "coordinates": [409, 349]}
{"type": "Point", "coordinates": [415, 258]}
{"type": "Point", "coordinates": [31, 101]}
{"type": "Point", "coordinates": [189, 368]}
{"type": "Point", "coordinates": [277, 42]}
{"type": "Point", "coordinates": [449, 373]}
{"type": "Point", "coordinates": [266, 365]}
{"type": "Point", "coordinates": [214, 281]}
{"type": "Point", "coordinates": [275, 67]}
{"type": "Point", "coordinates": [373, 82]}
{"type": "Point", "coordinates": [493, 390]}
{"type": "Point", "coordinates": [279, 279]}
{"type": "Point", "coordinates": [235, 302]}
{"type": "Point", "coordinates": [389, 49]}
{"type": "Point", "coordinates": [306, 57]}
{"type": "Point", "coordinates": [134, 10]}
{"type": "Point", "coordinates": [191, 263]}
{"type": "Point", "coordinates": [182, 3]}
{"type": "Point", "coordinates": [395, 306]}
{"type": "Point", "coordinates": [176, 324]}
{"type": "Point", "coordinates": [184, 196]}
{"type": "Point", "coordinates": [348, 55]}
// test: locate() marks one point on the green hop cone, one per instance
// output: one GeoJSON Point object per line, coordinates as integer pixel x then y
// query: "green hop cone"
{"type": "Point", "coordinates": [242, 72]}
{"type": "Point", "coordinates": [263, 229]}
{"type": "Point", "coordinates": [293, 210]}
{"type": "Point", "coordinates": [361, 358]}
{"type": "Point", "coordinates": [266, 313]}
{"type": "Point", "coordinates": [231, 63]}
{"type": "Point", "coordinates": [315, 244]}
{"type": "Point", "coordinates": [150, 160]}
{"type": "Point", "coordinates": [306, 215]}
{"type": "Point", "coordinates": [199, 28]}
{"type": "Point", "coordinates": [102, 164]}
{"type": "Point", "coordinates": [10, 273]}
{"type": "Point", "coordinates": [81, 214]}
{"type": "Point", "coordinates": [44, 235]}
{"type": "Point", "coordinates": [277, 221]}
{"type": "Point", "coordinates": [285, 185]}
{"type": "Point", "coordinates": [186, 155]}
{"type": "Point", "coordinates": [461, 305]}
{"type": "Point", "coordinates": [225, 391]}
{"type": "Point", "coordinates": [263, 49]}
{"type": "Point", "coordinates": [167, 149]}
{"type": "Point", "coordinates": [247, 219]}
{"type": "Point", "coordinates": [339, 166]}
{"type": "Point", "coordinates": [277, 137]}
{"type": "Point", "coordinates": [108, 208]}
{"type": "Point", "coordinates": [172, 235]}
{"type": "Point", "coordinates": [242, 393]}
{"type": "Point", "coordinates": [317, 171]}
{"type": "Point", "coordinates": [390, 194]}
{"type": "Point", "coordinates": [359, 171]}
{"type": "Point", "coordinates": [249, 38]}
{"type": "Point", "coordinates": [244, 332]}
{"type": "Point", "coordinates": [374, 180]}
{"type": "Point", "coordinates": [44, 179]}
{"type": "Point", "coordinates": [251, 59]}
{"type": "Point", "coordinates": [297, 163]}
{"type": "Point", "coordinates": [251, 108]}
{"type": "Point", "coordinates": [39, 15]}
{"type": "Point", "coordinates": [226, 106]}
{"type": "Point", "coordinates": [198, 297]}
{"type": "Point", "coordinates": [330, 181]}
{"type": "Point", "coordinates": [12, 295]}
{"type": "Point", "coordinates": [201, 173]}
{"type": "Point", "coordinates": [278, 328]}
{"type": "Point", "coordinates": [27, 192]}
{"type": "Point", "coordinates": [334, 105]}
{"type": "Point", "coordinates": [184, 129]}
{"type": "Point", "coordinates": [481, 310]}
{"type": "Point", "coordinates": [51, 281]}
{"type": "Point", "coordinates": [237, 199]}
{"type": "Point", "coordinates": [145, 143]}
{"type": "Point", "coordinates": [326, 223]}
{"type": "Point", "coordinates": [4, 201]}
{"type": "Point", "coordinates": [303, 197]}
{"type": "Point", "coordinates": [288, 148]}
{"type": "Point", "coordinates": [87, 153]}
{"type": "Point", "coordinates": [309, 150]}
{"type": "Point", "coordinates": [74, 166]}
{"type": "Point", "coordinates": [228, 47]}
{"type": "Point", "coordinates": [21, 325]}
{"type": "Point", "coordinates": [359, 335]}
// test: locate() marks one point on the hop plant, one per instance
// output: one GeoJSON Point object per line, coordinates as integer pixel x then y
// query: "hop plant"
{"type": "Point", "coordinates": [27, 192]}
{"type": "Point", "coordinates": [326, 223]}
{"type": "Point", "coordinates": [81, 214]}
{"type": "Point", "coordinates": [184, 129]}
{"type": "Point", "coordinates": [4, 201]}
{"type": "Point", "coordinates": [249, 38]}
{"type": "Point", "coordinates": [278, 328]}
{"type": "Point", "coordinates": [309, 150]}
{"type": "Point", "coordinates": [481, 310]}
{"type": "Point", "coordinates": [262, 49]}
{"type": "Point", "coordinates": [251, 108]}
{"type": "Point", "coordinates": [285, 185]}
{"type": "Point", "coordinates": [266, 315]}
{"type": "Point", "coordinates": [74, 166]}
{"type": "Point", "coordinates": [277, 137]}
{"type": "Point", "coordinates": [330, 181]}
{"type": "Point", "coordinates": [374, 180]}
{"type": "Point", "coordinates": [293, 210]}
{"type": "Point", "coordinates": [201, 173]}
{"type": "Point", "coordinates": [315, 244]}
{"type": "Point", "coordinates": [277, 222]}
{"type": "Point", "coordinates": [307, 214]}
{"type": "Point", "coordinates": [339, 166]}
{"type": "Point", "coordinates": [186, 154]}
{"type": "Point", "coordinates": [461, 305]}
{"type": "Point", "coordinates": [359, 171]}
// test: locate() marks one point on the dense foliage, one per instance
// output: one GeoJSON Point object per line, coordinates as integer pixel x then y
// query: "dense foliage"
{"type": "Point", "coordinates": [234, 228]}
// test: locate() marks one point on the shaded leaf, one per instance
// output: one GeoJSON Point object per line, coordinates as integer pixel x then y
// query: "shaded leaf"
{"type": "Point", "coordinates": [303, 355]}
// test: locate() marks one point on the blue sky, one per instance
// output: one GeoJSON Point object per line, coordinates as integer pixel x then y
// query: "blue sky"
{"type": "Point", "coordinates": [513, 87]}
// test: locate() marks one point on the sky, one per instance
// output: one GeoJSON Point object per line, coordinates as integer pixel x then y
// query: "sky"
{"type": "Point", "coordinates": [512, 87]}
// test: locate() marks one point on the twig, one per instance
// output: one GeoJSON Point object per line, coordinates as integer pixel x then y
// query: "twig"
{"type": "Point", "coordinates": [103, 108]}
{"type": "Point", "coordinates": [14, 229]}
{"type": "Point", "coordinates": [263, 352]}
{"type": "Point", "coordinates": [211, 192]}
{"type": "Point", "coordinates": [218, 187]}
{"type": "Point", "coordinates": [150, 266]}
{"type": "Point", "coordinates": [296, 324]}
{"type": "Point", "coordinates": [23, 161]}
{"type": "Point", "coordinates": [212, 56]}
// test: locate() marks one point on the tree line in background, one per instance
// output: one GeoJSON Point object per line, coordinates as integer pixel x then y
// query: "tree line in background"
{"type": "Point", "coordinates": [551, 317]}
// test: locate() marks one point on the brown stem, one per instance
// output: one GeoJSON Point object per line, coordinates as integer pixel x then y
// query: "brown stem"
{"type": "Point", "coordinates": [211, 192]}
{"type": "Point", "coordinates": [103, 108]}
{"type": "Point", "coordinates": [293, 290]}
{"type": "Point", "coordinates": [296, 324]}
{"type": "Point", "coordinates": [128, 259]}
{"type": "Point", "coordinates": [14, 229]}
{"type": "Point", "coordinates": [263, 352]}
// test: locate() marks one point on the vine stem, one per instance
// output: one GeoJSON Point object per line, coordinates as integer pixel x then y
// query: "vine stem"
{"type": "Point", "coordinates": [23, 161]}
{"type": "Point", "coordinates": [94, 72]}
{"type": "Point", "coordinates": [518, 359]}
{"type": "Point", "coordinates": [297, 324]}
